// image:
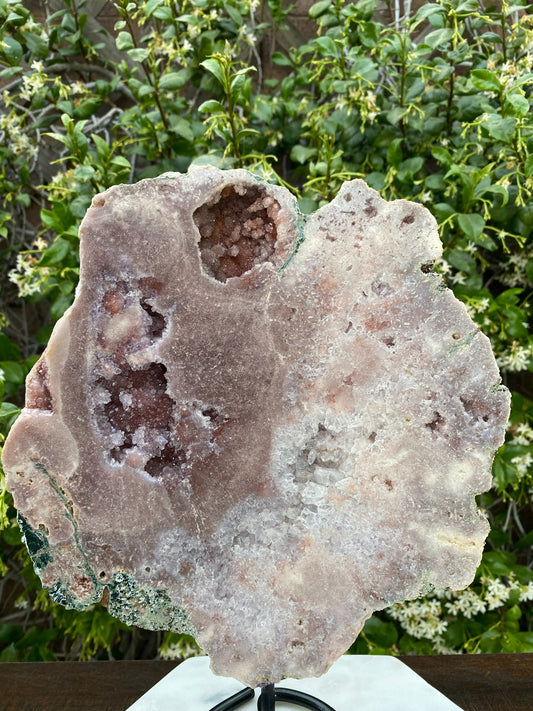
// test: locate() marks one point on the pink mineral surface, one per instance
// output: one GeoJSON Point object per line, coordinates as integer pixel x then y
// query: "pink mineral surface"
{"type": "Point", "coordinates": [256, 426]}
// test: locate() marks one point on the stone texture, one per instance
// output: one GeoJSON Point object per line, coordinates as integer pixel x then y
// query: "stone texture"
{"type": "Point", "coordinates": [253, 425]}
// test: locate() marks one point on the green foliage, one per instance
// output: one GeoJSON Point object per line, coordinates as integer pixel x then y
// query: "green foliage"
{"type": "Point", "coordinates": [433, 108]}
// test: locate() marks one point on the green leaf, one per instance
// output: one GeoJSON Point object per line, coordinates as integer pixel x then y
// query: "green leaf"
{"type": "Point", "coordinates": [426, 11]}
{"type": "Point", "coordinates": [87, 108]}
{"type": "Point", "coordinates": [439, 37]}
{"type": "Point", "coordinates": [326, 45]}
{"type": "Point", "coordinates": [513, 613]}
{"type": "Point", "coordinates": [8, 414]}
{"type": "Point", "coordinates": [60, 305]}
{"type": "Point", "coordinates": [55, 253]}
{"type": "Point", "coordinates": [174, 80]}
{"type": "Point", "coordinates": [376, 180]}
{"type": "Point", "coordinates": [484, 80]}
{"type": "Point", "coordinates": [302, 154]}
{"type": "Point", "coordinates": [234, 14]}
{"type": "Point", "coordinates": [442, 155]}
{"type": "Point", "coordinates": [281, 59]}
{"type": "Point", "coordinates": [124, 41]}
{"type": "Point", "coordinates": [182, 127]}
{"type": "Point", "coordinates": [502, 129]}
{"type": "Point", "coordinates": [139, 54]}
{"type": "Point", "coordinates": [499, 562]}
{"type": "Point", "coordinates": [319, 8]}
{"type": "Point", "coordinates": [9, 654]}
{"type": "Point", "coordinates": [121, 162]}
{"type": "Point", "coordinates": [462, 261]}
{"type": "Point", "coordinates": [435, 182]}
{"type": "Point", "coordinates": [467, 7]}
{"type": "Point", "coordinates": [525, 640]}
{"type": "Point", "coordinates": [11, 50]}
{"type": "Point", "coordinates": [384, 634]}
{"type": "Point", "coordinates": [102, 147]}
{"type": "Point", "coordinates": [12, 372]}
{"type": "Point", "coordinates": [210, 107]}
{"type": "Point", "coordinates": [8, 349]}
{"type": "Point", "coordinates": [214, 67]}
{"type": "Point", "coordinates": [528, 166]}
{"type": "Point", "coordinates": [409, 167]}
{"type": "Point", "coordinates": [163, 13]}
{"type": "Point", "coordinates": [471, 224]}
{"type": "Point", "coordinates": [526, 541]}
{"type": "Point", "coordinates": [516, 105]}
{"type": "Point", "coordinates": [151, 5]}
{"type": "Point", "coordinates": [394, 152]}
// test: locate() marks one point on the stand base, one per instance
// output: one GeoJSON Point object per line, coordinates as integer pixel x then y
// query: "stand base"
{"type": "Point", "coordinates": [269, 696]}
{"type": "Point", "coordinates": [354, 683]}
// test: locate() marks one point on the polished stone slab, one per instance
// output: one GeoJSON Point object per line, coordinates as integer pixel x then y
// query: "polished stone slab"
{"type": "Point", "coordinates": [353, 683]}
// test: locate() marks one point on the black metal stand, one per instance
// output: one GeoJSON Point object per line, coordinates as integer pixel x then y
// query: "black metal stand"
{"type": "Point", "coordinates": [268, 697]}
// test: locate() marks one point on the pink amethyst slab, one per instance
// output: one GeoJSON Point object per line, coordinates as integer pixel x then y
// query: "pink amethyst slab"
{"type": "Point", "coordinates": [256, 426]}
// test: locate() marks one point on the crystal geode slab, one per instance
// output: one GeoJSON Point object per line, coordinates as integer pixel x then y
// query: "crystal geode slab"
{"type": "Point", "coordinates": [256, 426]}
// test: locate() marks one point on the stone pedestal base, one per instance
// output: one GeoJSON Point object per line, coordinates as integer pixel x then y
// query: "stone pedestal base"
{"type": "Point", "coordinates": [354, 683]}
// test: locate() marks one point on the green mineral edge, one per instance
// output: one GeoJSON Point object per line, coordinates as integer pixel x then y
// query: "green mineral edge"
{"type": "Point", "coordinates": [134, 605]}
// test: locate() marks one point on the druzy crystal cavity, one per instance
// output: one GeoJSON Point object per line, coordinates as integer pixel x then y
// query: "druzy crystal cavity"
{"type": "Point", "coordinates": [256, 426]}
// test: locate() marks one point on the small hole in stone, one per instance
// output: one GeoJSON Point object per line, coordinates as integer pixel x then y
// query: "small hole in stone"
{"type": "Point", "coordinates": [456, 336]}
{"type": "Point", "coordinates": [348, 327]}
{"type": "Point", "coordinates": [147, 569]}
{"type": "Point", "coordinates": [169, 457]}
{"type": "Point", "coordinates": [409, 219]}
{"type": "Point", "coordinates": [101, 574]}
{"type": "Point", "coordinates": [238, 230]}
{"type": "Point", "coordinates": [98, 201]}
{"type": "Point", "coordinates": [370, 209]}
{"type": "Point", "coordinates": [349, 268]}
{"type": "Point", "coordinates": [427, 267]}
{"type": "Point", "coordinates": [372, 436]}
{"type": "Point", "coordinates": [436, 423]}
{"type": "Point", "coordinates": [158, 322]}
{"type": "Point", "coordinates": [211, 413]}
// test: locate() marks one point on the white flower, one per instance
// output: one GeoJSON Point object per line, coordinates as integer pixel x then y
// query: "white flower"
{"type": "Point", "coordinates": [37, 66]}
{"type": "Point", "coordinates": [505, 182]}
{"type": "Point", "coordinates": [39, 244]}
{"type": "Point", "coordinates": [441, 648]}
{"type": "Point", "coordinates": [496, 594]}
{"type": "Point", "coordinates": [527, 593]}
{"type": "Point", "coordinates": [467, 602]}
{"type": "Point", "coordinates": [180, 650]}
{"type": "Point", "coordinates": [458, 278]}
{"type": "Point", "coordinates": [522, 464]}
{"type": "Point", "coordinates": [420, 618]}
{"type": "Point", "coordinates": [193, 31]}
{"type": "Point", "coordinates": [523, 434]}
{"type": "Point", "coordinates": [443, 266]}
{"type": "Point", "coordinates": [515, 359]}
